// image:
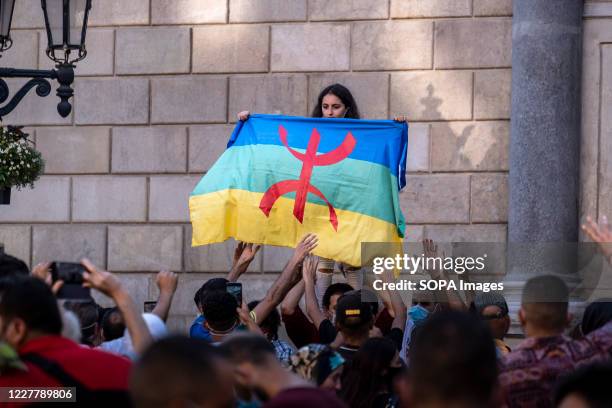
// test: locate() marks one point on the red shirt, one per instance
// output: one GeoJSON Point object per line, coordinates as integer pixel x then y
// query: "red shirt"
{"type": "Point", "coordinates": [301, 331]}
{"type": "Point", "coordinates": [96, 370]}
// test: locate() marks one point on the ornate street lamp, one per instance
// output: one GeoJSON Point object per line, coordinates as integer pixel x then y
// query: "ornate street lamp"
{"type": "Point", "coordinates": [66, 26]}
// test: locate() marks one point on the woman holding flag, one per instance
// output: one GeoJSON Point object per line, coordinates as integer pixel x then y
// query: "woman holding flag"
{"type": "Point", "coordinates": [334, 101]}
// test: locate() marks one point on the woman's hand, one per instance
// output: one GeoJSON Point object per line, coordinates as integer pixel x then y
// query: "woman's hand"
{"type": "Point", "coordinates": [244, 115]}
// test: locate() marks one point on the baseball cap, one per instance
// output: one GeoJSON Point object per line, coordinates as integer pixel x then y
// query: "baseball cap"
{"type": "Point", "coordinates": [352, 312]}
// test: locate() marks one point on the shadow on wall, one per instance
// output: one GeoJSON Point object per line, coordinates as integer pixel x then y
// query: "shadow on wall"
{"type": "Point", "coordinates": [461, 145]}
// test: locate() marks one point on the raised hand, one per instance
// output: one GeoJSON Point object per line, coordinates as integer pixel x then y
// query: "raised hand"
{"type": "Point", "coordinates": [244, 115]}
{"type": "Point", "coordinates": [101, 280]}
{"type": "Point", "coordinates": [166, 281]}
{"type": "Point", "coordinates": [309, 268]}
{"type": "Point", "coordinates": [304, 247]}
{"type": "Point", "coordinates": [601, 234]}
{"type": "Point", "coordinates": [42, 271]}
{"type": "Point", "coordinates": [430, 250]}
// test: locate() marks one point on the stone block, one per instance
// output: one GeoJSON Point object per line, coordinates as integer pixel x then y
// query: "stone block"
{"type": "Point", "coordinates": [473, 43]}
{"type": "Point", "coordinates": [157, 50]}
{"type": "Point", "coordinates": [322, 47]}
{"type": "Point", "coordinates": [33, 109]}
{"type": "Point", "coordinates": [179, 324]}
{"type": "Point", "coordinates": [492, 7]}
{"type": "Point", "coordinates": [22, 53]}
{"type": "Point", "coordinates": [136, 284]}
{"type": "Point", "coordinates": [74, 150]}
{"type": "Point", "coordinates": [430, 8]}
{"type": "Point", "coordinates": [108, 198]}
{"type": "Point", "coordinates": [214, 257]}
{"type": "Point", "coordinates": [432, 95]}
{"type": "Point", "coordinates": [385, 45]}
{"type": "Point", "coordinates": [189, 99]}
{"type": "Point", "coordinates": [418, 147]}
{"type": "Point", "coordinates": [231, 48]}
{"type": "Point", "coordinates": [286, 94]}
{"type": "Point", "coordinates": [466, 233]}
{"type": "Point", "coordinates": [188, 285]}
{"type": "Point", "coordinates": [157, 149]}
{"type": "Point", "coordinates": [436, 199]}
{"type": "Point", "coordinates": [250, 11]}
{"type": "Point", "coordinates": [69, 243]}
{"type": "Point", "coordinates": [414, 233]}
{"type": "Point", "coordinates": [492, 94]}
{"type": "Point", "coordinates": [489, 198]}
{"type": "Point", "coordinates": [465, 146]}
{"type": "Point", "coordinates": [100, 53]}
{"type": "Point", "coordinates": [169, 197]}
{"type": "Point", "coordinates": [604, 170]}
{"type": "Point", "coordinates": [112, 101]}
{"type": "Point", "coordinates": [348, 10]}
{"type": "Point", "coordinates": [206, 144]}
{"type": "Point", "coordinates": [188, 11]}
{"type": "Point", "coordinates": [145, 248]}
{"type": "Point", "coordinates": [48, 201]}
{"type": "Point", "coordinates": [370, 90]}
{"type": "Point", "coordinates": [16, 240]}
{"type": "Point", "coordinates": [27, 14]}
{"type": "Point", "coordinates": [119, 12]}
{"type": "Point", "coordinates": [275, 258]}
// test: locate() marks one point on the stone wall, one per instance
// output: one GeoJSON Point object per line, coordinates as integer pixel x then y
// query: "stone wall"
{"type": "Point", "coordinates": [596, 135]}
{"type": "Point", "coordinates": [156, 98]}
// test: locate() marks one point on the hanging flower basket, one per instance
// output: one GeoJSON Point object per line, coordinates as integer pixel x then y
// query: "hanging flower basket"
{"type": "Point", "coordinates": [20, 163]}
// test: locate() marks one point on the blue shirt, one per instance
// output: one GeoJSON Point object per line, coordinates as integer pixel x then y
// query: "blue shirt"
{"type": "Point", "coordinates": [198, 331]}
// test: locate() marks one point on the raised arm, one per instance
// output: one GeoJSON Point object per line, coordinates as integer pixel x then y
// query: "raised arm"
{"type": "Point", "coordinates": [292, 300]}
{"type": "Point", "coordinates": [166, 282]}
{"type": "Point", "coordinates": [451, 296]}
{"type": "Point", "coordinates": [601, 234]}
{"type": "Point", "coordinates": [309, 271]}
{"type": "Point", "coordinates": [243, 256]}
{"type": "Point", "coordinates": [287, 279]}
{"type": "Point", "coordinates": [110, 285]}
{"type": "Point", "coordinates": [397, 304]}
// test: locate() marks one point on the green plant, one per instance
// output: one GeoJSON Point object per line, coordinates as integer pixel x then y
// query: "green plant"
{"type": "Point", "coordinates": [20, 163]}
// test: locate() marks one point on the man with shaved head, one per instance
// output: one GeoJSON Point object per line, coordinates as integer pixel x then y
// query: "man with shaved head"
{"type": "Point", "coordinates": [528, 373]}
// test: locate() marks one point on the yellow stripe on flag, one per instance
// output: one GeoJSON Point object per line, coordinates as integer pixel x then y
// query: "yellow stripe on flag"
{"type": "Point", "coordinates": [233, 213]}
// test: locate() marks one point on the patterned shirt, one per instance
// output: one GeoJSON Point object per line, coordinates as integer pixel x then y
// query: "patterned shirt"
{"type": "Point", "coordinates": [529, 373]}
{"type": "Point", "coordinates": [283, 351]}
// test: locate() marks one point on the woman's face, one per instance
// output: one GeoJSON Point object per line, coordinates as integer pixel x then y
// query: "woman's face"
{"type": "Point", "coordinates": [333, 381]}
{"type": "Point", "coordinates": [332, 107]}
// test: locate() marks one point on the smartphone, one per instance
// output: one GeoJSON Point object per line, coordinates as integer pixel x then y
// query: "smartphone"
{"type": "Point", "coordinates": [149, 306]}
{"type": "Point", "coordinates": [71, 273]}
{"type": "Point", "coordinates": [235, 289]}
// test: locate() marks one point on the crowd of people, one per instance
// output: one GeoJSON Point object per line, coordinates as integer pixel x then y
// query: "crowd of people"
{"type": "Point", "coordinates": [346, 347]}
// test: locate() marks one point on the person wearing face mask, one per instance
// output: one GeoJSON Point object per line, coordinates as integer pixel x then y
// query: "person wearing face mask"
{"type": "Point", "coordinates": [421, 309]}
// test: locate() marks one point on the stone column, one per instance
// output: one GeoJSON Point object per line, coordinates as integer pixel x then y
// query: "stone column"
{"type": "Point", "coordinates": [545, 135]}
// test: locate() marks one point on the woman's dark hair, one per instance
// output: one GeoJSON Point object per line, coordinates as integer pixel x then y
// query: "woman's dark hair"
{"type": "Point", "coordinates": [271, 323]}
{"type": "Point", "coordinates": [374, 358]}
{"type": "Point", "coordinates": [342, 92]}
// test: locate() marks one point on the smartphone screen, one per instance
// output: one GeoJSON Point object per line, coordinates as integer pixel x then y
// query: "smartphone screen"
{"type": "Point", "coordinates": [149, 306]}
{"type": "Point", "coordinates": [235, 289]}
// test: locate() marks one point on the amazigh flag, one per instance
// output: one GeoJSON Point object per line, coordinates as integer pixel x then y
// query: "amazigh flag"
{"type": "Point", "coordinates": [282, 177]}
